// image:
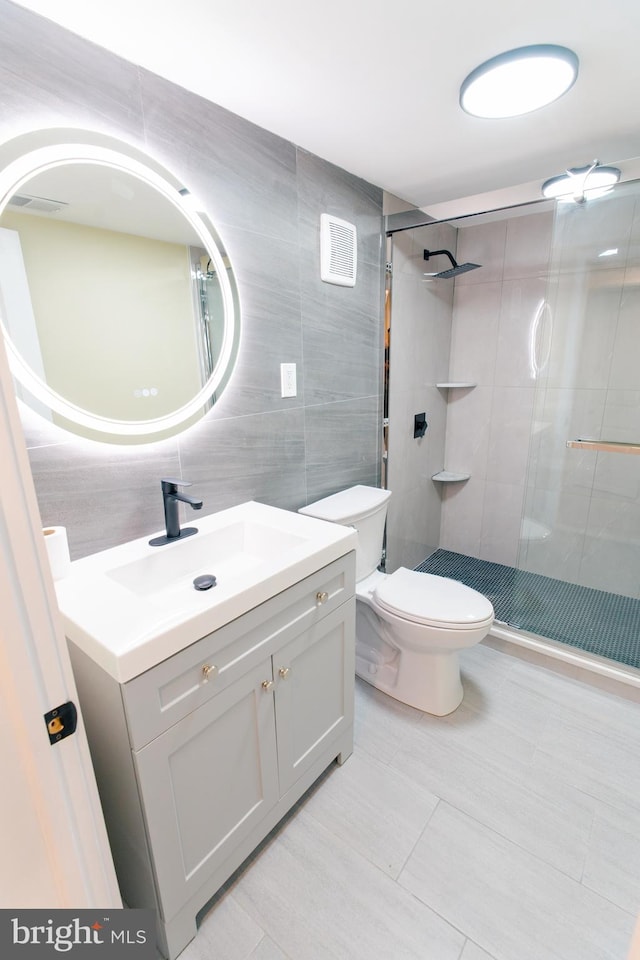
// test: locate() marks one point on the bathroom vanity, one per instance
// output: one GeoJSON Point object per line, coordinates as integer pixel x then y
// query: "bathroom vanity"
{"type": "Point", "coordinates": [203, 740]}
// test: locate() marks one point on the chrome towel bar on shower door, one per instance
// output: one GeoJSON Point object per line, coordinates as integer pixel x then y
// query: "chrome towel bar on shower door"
{"type": "Point", "coordinates": [612, 446]}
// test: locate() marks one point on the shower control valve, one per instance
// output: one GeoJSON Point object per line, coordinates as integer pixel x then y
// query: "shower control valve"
{"type": "Point", "coordinates": [419, 425]}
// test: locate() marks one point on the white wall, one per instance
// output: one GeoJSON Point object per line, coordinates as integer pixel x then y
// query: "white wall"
{"type": "Point", "coordinates": [125, 304]}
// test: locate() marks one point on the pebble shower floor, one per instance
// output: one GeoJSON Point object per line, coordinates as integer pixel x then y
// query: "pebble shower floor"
{"type": "Point", "coordinates": [598, 622]}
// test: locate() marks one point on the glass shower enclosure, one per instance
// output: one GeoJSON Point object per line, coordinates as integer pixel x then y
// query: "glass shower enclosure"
{"type": "Point", "coordinates": [531, 473]}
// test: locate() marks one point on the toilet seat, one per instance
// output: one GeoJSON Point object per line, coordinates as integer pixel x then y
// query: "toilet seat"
{"type": "Point", "coordinates": [431, 600]}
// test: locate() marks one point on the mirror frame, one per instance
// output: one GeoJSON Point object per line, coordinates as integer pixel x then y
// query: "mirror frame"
{"type": "Point", "coordinates": [13, 177]}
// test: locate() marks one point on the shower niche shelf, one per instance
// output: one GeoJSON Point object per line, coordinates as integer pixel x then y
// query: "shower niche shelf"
{"type": "Point", "coordinates": [456, 385]}
{"type": "Point", "coordinates": [448, 476]}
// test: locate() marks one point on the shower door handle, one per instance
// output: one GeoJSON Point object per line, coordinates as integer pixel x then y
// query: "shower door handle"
{"type": "Point", "coordinates": [610, 446]}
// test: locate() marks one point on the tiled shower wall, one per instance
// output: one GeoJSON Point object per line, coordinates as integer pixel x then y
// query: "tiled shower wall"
{"type": "Point", "coordinates": [488, 427]}
{"type": "Point", "coordinates": [265, 196]}
{"type": "Point", "coordinates": [420, 340]}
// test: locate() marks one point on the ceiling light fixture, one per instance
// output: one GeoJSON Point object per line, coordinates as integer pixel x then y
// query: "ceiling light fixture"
{"type": "Point", "coordinates": [575, 183]}
{"type": "Point", "coordinates": [519, 81]}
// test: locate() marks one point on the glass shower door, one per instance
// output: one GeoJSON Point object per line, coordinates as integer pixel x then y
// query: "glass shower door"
{"type": "Point", "coordinates": [578, 570]}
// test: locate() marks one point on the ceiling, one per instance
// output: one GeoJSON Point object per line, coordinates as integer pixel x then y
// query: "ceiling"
{"type": "Point", "coordinates": [372, 85]}
{"type": "Point", "coordinates": [107, 199]}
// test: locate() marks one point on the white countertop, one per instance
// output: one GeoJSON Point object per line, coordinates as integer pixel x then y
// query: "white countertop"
{"type": "Point", "coordinates": [132, 606]}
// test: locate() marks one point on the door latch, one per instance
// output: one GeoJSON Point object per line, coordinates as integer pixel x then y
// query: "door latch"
{"type": "Point", "coordinates": [61, 722]}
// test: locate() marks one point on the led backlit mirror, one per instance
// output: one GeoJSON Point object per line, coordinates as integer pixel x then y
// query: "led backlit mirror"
{"type": "Point", "coordinates": [117, 300]}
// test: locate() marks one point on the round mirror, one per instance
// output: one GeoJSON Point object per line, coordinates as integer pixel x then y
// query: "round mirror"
{"type": "Point", "coordinates": [117, 301]}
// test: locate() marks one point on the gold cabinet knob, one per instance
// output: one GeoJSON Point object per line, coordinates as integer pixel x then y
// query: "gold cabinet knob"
{"type": "Point", "coordinates": [322, 596]}
{"type": "Point", "coordinates": [284, 672]}
{"type": "Point", "coordinates": [267, 684]}
{"type": "Point", "coordinates": [209, 671]}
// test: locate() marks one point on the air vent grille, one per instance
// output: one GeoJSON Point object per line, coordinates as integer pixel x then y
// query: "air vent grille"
{"type": "Point", "coordinates": [37, 204]}
{"type": "Point", "coordinates": [338, 251]}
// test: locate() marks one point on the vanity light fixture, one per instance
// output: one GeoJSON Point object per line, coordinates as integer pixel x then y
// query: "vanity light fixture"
{"type": "Point", "coordinates": [574, 185]}
{"type": "Point", "coordinates": [519, 81]}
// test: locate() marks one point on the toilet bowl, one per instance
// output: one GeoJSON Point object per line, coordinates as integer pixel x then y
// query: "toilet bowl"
{"type": "Point", "coordinates": [410, 626]}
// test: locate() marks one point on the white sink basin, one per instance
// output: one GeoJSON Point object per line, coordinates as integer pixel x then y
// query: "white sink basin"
{"type": "Point", "coordinates": [132, 606]}
{"type": "Point", "coordinates": [229, 552]}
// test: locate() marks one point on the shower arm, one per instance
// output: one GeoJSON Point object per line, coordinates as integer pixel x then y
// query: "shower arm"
{"type": "Point", "coordinates": [436, 253]}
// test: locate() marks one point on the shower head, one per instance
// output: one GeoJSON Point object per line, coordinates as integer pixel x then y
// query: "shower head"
{"type": "Point", "coordinates": [455, 269]}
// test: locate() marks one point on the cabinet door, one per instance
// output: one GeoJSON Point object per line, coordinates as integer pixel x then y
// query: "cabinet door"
{"type": "Point", "coordinates": [314, 680]}
{"type": "Point", "coordinates": [206, 782]}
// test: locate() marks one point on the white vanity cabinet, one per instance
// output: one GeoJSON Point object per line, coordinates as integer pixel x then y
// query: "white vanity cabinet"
{"type": "Point", "coordinates": [200, 756]}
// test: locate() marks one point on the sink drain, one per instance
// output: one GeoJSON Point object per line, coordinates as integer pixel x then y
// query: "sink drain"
{"type": "Point", "coordinates": [204, 582]}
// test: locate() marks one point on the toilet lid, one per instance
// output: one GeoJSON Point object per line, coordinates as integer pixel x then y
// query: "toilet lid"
{"type": "Point", "coordinates": [354, 503]}
{"type": "Point", "coordinates": [434, 601]}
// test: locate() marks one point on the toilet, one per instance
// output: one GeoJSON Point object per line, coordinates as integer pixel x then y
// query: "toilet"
{"type": "Point", "coordinates": [409, 625]}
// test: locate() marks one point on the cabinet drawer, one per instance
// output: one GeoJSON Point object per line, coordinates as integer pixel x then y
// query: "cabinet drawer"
{"type": "Point", "coordinates": [162, 696]}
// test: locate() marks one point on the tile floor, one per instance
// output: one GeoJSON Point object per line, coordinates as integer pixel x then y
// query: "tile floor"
{"type": "Point", "coordinates": [606, 624]}
{"type": "Point", "coordinates": [509, 830]}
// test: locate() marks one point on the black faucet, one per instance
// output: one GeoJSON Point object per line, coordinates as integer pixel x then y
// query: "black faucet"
{"type": "Point", "coordinates": [171, 497]}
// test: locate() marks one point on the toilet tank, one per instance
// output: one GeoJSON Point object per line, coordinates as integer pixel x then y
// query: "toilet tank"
{"type": "Point", "coordinates": [365, 509]}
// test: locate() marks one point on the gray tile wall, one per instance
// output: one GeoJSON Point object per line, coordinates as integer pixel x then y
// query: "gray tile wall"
{"type": "Point", "coordinates": [265, 195]}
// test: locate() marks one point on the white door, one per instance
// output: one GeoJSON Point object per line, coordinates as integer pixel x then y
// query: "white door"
{"type": "Point", "coordinates": [53, 844]}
